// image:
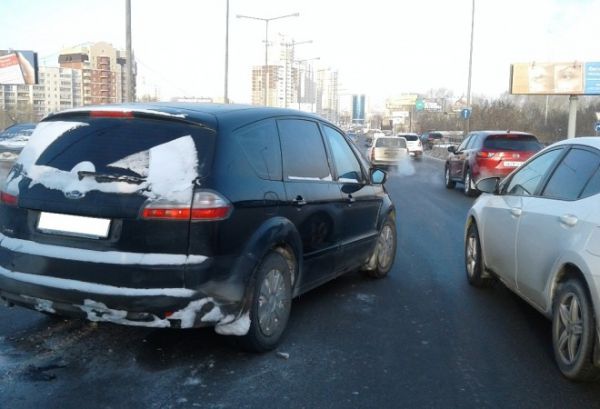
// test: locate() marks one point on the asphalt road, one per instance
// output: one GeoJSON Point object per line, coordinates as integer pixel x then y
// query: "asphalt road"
{"type": "Point", "coordinates": [420, 338]}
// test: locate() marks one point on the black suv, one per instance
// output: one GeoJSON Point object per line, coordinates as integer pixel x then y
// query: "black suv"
{"type": "Point", "coordinates": [184, 215]}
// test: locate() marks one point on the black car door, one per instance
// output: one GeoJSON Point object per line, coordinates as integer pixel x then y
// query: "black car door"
{"type": "Point", "coordinates": [362, 202]}
{"type": "Point", "coordinates": [313, 201]}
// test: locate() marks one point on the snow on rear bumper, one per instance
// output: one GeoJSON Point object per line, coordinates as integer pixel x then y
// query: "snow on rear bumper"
{"type": "Point", "coordinates": [146, 307]}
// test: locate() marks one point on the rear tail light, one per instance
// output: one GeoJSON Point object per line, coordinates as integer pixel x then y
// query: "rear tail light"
{"type": "Point", "coordinates": [206, 205]}
{"type": "Point", "coordinates": [485, 154]}
{"type": "Point", "coordinates": [8, 199]}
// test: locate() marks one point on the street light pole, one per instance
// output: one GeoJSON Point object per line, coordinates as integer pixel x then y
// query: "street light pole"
{"type": "Point", "coordinates": [128, 52]}
{"type": "Point", "coordinates": [226, 90]}
{"type": "Point", "coordinates": [266, 67]}
{"type": "Point", "coordinates": [468, 120]}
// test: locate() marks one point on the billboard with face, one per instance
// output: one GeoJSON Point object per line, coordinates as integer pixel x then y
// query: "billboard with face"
{"type": "Point", "coordinates": [18, 67]}
{"type": "Point", "coordinates": [554, 78]}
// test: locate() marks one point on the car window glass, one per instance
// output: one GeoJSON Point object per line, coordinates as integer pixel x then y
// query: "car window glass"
{"type": "Point", "coordinates": [261, 147]}
{"type": "Point", "coordinates": [390, 142]}
{"type": "Point", "coordinates": [593, 186]}
{"type": "Point", "coordinates": [464, 143]}
{"type": "Point", "coordinates": [526, 181]}
{"type": "Point", "coordinates": [118, 146]}
{"type": "Point", "coordinates": [347, 166]}
{"type": "Point", "coordinates": [571, 175]}
{"type": "Point", "coordinates": [472, 142]}
{"type": "Point", "coordinates": [303, 152]}
{"type": "Point", "coordinates": [512, 142]}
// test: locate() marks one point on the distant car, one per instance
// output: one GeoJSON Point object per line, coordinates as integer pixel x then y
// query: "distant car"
{"type": "Point", "coordinates": [430, 138]}
{"type": "Point", "coordinates": [180, 216]}
{"type": "Point", "coordinates": [12, 141]}
{"type": "Point", "coordinates": [487, 153]}
{"type": "Point", "coordinates": [387, 151]}
{"type": "Point", "coordinates": [414, 145]}
{"type": "Point", "coordinates": [538, 232]}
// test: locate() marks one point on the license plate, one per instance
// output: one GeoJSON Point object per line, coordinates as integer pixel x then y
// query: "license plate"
{"type": "Point", "coordinates": [69, 225]}
{"type": "Point", "coordinates": [510, 164]}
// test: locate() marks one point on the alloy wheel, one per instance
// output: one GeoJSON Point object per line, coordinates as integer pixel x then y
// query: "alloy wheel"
{"type": "Point", "coordinates": [471, 255]}
{"type": "Point", "coordinates": [272, 302]}
{"type": "Point", "coordinates": [385, 246]}
{"type": "Point", "coordinates": [570, 328]}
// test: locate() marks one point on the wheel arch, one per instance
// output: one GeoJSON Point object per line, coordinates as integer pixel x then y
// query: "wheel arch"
{"type": "Point", "coordinates": [567, 271]}
{"type": "Point", "coordinates": [276, 234]}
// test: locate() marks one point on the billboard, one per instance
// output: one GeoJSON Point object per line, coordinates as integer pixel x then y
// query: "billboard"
{"type": "Point", "coordinates": [555, 78]}
{"type": "Point", "coordinates": [358, 108]}
{"type": "Point", "coordinates": [18, 67]}
{"type": "Point", "coordinates": [401, 101]}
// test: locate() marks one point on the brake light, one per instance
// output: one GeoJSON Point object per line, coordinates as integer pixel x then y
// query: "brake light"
{"type": "Point", "coordinates": [171, 213]}
{"type": "Point", "coordinates": [206, 205]}
{"type": "Point", "coordinates": [111, 114]}
{"type": "Point", "coordinates": [485, 154]}
{"type": "Point", "coordinates": [8, 199]}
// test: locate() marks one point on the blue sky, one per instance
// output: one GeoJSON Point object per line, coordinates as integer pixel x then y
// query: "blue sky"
{"type": "Point", "coordinates": [380, 47]}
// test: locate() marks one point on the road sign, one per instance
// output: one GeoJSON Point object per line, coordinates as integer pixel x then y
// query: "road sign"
{"type": "Point", "coordinates": [597, 126]}
{"type": "Point", "coordinates": [419, 105]}
{"type": "Point", "coordinates": [465, 113]}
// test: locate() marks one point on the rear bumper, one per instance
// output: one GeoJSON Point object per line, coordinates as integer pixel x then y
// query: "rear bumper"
{"type": "Point", "coordinates": [160, 308]}
{"type": "Point", "coordinates": [121, 288]}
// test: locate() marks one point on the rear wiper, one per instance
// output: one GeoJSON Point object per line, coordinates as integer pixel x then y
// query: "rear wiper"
{"type": "Point", "coordinates": [107, 177]}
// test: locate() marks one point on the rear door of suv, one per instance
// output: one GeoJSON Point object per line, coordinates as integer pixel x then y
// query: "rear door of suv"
{"type": "Point", "coordinates": [116, 185]}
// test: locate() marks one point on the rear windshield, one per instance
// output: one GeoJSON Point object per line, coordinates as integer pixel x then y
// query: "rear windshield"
{"type": "Point", "coordinates": [122, 146]}
{"type": "Point", "coordinates": [512, 143]}
{"type": "Point", "coordinates": [410, 137]}
{"type": "Point", "coordinates": [390, 143]}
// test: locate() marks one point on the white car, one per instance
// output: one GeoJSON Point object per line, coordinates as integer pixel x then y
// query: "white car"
{"type": "Point", "coordinates": [414, 145]}
{"type": "Point", "coordinates": [538, 231]}
{"type": "Point", "coordinates": [387, 151]}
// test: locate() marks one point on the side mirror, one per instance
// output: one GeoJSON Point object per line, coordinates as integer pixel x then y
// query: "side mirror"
{"type": "Point", "coordinates": [452, 149]}
{"type": "Point", "coordinates": [488, 185]}
{"type": "Point", "coordinates": [378, 176]}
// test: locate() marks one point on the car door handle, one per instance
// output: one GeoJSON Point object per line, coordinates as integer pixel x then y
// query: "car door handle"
{"type": "Point", "coordinates": [568, 220]}
{"type": "Point", "coordinates": [351, 199]}
{"type": "Point", "coordinates": [299, 201]}
{"type": "Point", "coordinates": [515, 211]}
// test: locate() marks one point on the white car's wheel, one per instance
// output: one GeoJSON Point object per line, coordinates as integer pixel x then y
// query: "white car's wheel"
{"type": "Point", "coordinates": [573, 331]}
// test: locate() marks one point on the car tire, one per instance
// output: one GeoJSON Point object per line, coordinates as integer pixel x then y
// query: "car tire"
{"type": "Point", "coordinates": [469, 190]}
{"type": "Point", "coordinates": [473, 261]}
{"type": "Point", "coordinates": [449, 183]}
{"type": "Point", "coordinates": [271, 304]}
{"type": "Point", "coordinates": [382, 259]}
{"type": "Point", "coordinates": [573, 332]}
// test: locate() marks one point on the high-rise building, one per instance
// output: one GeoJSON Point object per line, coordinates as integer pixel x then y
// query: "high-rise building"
{"type": "Point", "coordinates": [103, 69]}
{"type": "Point", "coordinates": [328, 99]}
{"type": "Point", "coordinates": [63, 88]}
{"type": "Point", "coordinates": [22, 103]}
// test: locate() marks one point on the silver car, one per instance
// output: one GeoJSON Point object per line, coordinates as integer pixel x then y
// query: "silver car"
{"type": "Point", "coordinates": [538, 231]}
{"type": "Point", "coordinates": [387, 151]}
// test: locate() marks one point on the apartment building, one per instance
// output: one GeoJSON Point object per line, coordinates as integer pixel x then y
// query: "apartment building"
{"type": "Point", "coordinates": [103, 70]}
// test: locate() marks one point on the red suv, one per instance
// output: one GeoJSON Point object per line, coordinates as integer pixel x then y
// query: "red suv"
{"type": "Point", "coordinates": [487, 153]}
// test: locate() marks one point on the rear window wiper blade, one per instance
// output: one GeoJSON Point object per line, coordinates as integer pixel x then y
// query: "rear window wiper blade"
{"type": "Point", "coordinates": [108, 177]}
